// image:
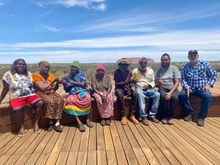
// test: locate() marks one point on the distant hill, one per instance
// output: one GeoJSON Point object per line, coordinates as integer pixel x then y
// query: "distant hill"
{"type": "Point", "coordinates": [135, 60]}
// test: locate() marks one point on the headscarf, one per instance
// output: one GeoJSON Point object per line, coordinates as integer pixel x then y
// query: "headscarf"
{"type": "Point", "coordinates": [100, 67]}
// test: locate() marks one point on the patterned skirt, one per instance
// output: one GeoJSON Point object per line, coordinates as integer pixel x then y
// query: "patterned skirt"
{"type": "Point", "coordinates": [53, 104]}
{"type": "Point", "coordinates": [106, 108]}
{"type": "Point", "coordinates": [78, 105]}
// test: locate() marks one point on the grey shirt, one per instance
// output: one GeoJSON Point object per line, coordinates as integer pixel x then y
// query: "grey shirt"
{"type": "Point", "coordinates": [168, 75]}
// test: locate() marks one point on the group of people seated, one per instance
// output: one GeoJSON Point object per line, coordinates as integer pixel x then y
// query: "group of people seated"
{"type": "Point", "coordinates": [39, 90]}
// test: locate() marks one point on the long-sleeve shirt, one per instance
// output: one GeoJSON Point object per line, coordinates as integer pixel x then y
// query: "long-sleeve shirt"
{"type": "Point", "coordinates": [144, 79]}
{"type": "Point", "coordinates": [72, 88]}
{"type": "Point", "coordinates": [198, 76]}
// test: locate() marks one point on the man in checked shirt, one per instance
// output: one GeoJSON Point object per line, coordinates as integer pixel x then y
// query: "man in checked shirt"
{"type": "Point", "coordinates": [197, 78]}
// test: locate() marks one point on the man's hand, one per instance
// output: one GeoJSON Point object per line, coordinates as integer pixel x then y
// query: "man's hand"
{"type": "Point", "coordinates": [168, 96]}
{"type": "Point", "coordinates": [207, 88]}
{"type": "Point", "coordinates": [161, 82]}
{"type": "Point", "coordinates": [188, 91]}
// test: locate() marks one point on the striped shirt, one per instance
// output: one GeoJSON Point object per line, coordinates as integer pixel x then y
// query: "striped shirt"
{"type": "Point", "coordinates": [198, 76]}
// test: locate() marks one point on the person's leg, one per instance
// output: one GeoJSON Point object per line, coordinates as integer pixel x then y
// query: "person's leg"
{"type": "Point", "coordinates": [120, 101]}
{"type": "Point", "coordinates": [205, 104]}
{"type": "Point", "coordinates": [121, 105]}
{"type": "Point", "coordinates": [163, 106]}
{"type": "Point", "coordinates": [133, 107]}
{"type": "Point", "coordinates": [155, 104]}
{"type": "Point", "coordinates": [38, 106]}
{"type": "Point", "coordinates": [173, 103]}
{"type": "Point", "coordinates": [184, 100]}
{"type": "Point", "coordinates": [99, 105]}
{"type": "Point", "coordinates": [141, 102]}
{"type": "Point", "coordinates": [18, 106]}
{"type": "Point", "coordinates": [20, 118]}
{"type": "Point", "coordinates": [80, 124]}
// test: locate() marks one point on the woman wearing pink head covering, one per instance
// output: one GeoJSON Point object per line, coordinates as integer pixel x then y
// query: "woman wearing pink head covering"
{"type": "Point", "coordinates": [101, 84]}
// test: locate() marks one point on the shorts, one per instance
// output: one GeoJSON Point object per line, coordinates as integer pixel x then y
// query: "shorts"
{"type": "Point", "coordinates": [21, 102]}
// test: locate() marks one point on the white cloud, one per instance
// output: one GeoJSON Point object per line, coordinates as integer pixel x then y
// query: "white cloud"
{"type": "Point", "coordinates": [89, 4]}
{"type": "Point", "coordinates": [137, 20]}
{"type": "Point", "coordinates": [208, 39]}
{"type": "Point", "coordinates": [100, 56]}
{"type": "Point", "coordinates": [50, 28]}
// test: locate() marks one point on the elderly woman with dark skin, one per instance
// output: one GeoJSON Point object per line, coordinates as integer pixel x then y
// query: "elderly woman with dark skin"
{"type": "Point", "coordinates": [19, 82]}
{"type": "Point", "coordinates": [46, 85]}
{"type": "Point", "coordinates": [102, 87]}
{"type": "Point", "coordinates": [78, 102]}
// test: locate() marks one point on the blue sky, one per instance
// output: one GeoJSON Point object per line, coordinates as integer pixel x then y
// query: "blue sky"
{"type": "Point", "coordinates": [105, 30]}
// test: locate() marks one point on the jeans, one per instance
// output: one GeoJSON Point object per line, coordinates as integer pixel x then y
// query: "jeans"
{"type": "Point", "coordinates": [141, 94]}
{"type": "Point", "coordinates": [167, 107]}
{"type": "Point", "coordinates": [206, 99]}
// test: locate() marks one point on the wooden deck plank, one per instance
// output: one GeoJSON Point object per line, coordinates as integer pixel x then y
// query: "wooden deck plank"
{"type": "Point", "coordinates": [69, 139]}
{"type": "Point", "coordinates": [91, 159]}
{"type": "Point", "coordinates": [110, 151]}
{"type": "Point", "coordinates": [154, 148]}
{"type": "Point", "coordinates": [168, 144]}
{"type": "Point", "coordinates": [181, 143]}
{"type": "Point", "coordinates": [165, 150]}
{"type": "Point", "coordinates": [120, 154]}
{"type": "Point", "coordinates": [7, 146]}
{"type": "Point", "coordinates": [135, 146]}
{"type": "Point", "coordinates": [60, 141]}
{"type": "Point", "coordinates": [83, 149]}
{"type": "Point", "coordinates": [52, 158]}
{"type": "Point", "coordinates": [62, 158]}
{"type": "Point", "coordinates": [101, 152]}
{"type": "Point", "coordinates": [178, 135]}
{"type": "Point", "coordinates": [48, 149]}
{"type": "Point", "coordinates": [18, 143]}
{"type": "Point", "coordinates": [130, 155]}
{"type": "Point", "coordinates": [199, 144]}
{"type": "Point", "coordinates": [198, 131]}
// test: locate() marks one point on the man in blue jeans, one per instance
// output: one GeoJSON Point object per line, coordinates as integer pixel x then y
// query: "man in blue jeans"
{"type": "Point", "coordinates": [144, 86]}
{"type": "Point", "coordinates": [197, 79]}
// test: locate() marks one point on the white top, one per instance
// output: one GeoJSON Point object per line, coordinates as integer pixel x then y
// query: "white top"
{"type": "Point", "coordinates": [19, 84]}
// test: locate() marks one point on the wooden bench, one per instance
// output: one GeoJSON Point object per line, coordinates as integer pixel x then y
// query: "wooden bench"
{"type": "Point", "coordinates": [8, 119]}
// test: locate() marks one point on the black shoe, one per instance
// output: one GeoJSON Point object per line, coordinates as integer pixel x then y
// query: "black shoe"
{"type": "Point", "coordinates": [108, 121]}
{"type": "Point", "coordinates": [89, 124]}
{"type": "Point", "coordinates": [188, 117]}
{"type": "Point", "coordinates": [103, 122]}
{"type": "Point", "coordinates": [81, 127]}
{"type": "Point", "coordinates": [201, 122]}
{"type": "Point", "coordinates": [58, 128]}
{"type": "Point", "coordinates": [50, 128]}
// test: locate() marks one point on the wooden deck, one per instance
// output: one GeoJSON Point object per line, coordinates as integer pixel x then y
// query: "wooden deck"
{"type": "Point", "coordinates": [181, 143]}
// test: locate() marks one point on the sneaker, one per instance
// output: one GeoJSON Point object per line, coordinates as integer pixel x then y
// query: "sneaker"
{"type": "Point", "coordinates": [154, 119]}
{"type": "Point", "coordinates": [164, 121]}
{"type": "Point", "coordinates": [133, 119]}
{"type": "Point", "coordinates": [188, 118]}
{"type": "Point", "coordinates": [103, 122]}
{"type": "Point", "coordinates": [108, 121]}
{"type": "Point", "coordinates": [200, 122]}
{"type": "Point", "coordinates": [89, 123]}
{"type": "Point", "coordinates": [124, 121]}
{"type": "Point", "coordinates": [145, 121]}
{"type": "Point", "coordinates": [58, 128]}
{"type": "Point", "coordinates": [81, 127]}
{"type": "Point", "coordinates": [50, 128]}
{"type": "Point", "coordinates": [170, 121]}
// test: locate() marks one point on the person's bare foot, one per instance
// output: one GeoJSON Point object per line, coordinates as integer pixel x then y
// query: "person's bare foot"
{"type": "Point", "coordinates": [36, 128]}
{"type": "Point", "coordinates": [21, 132]}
